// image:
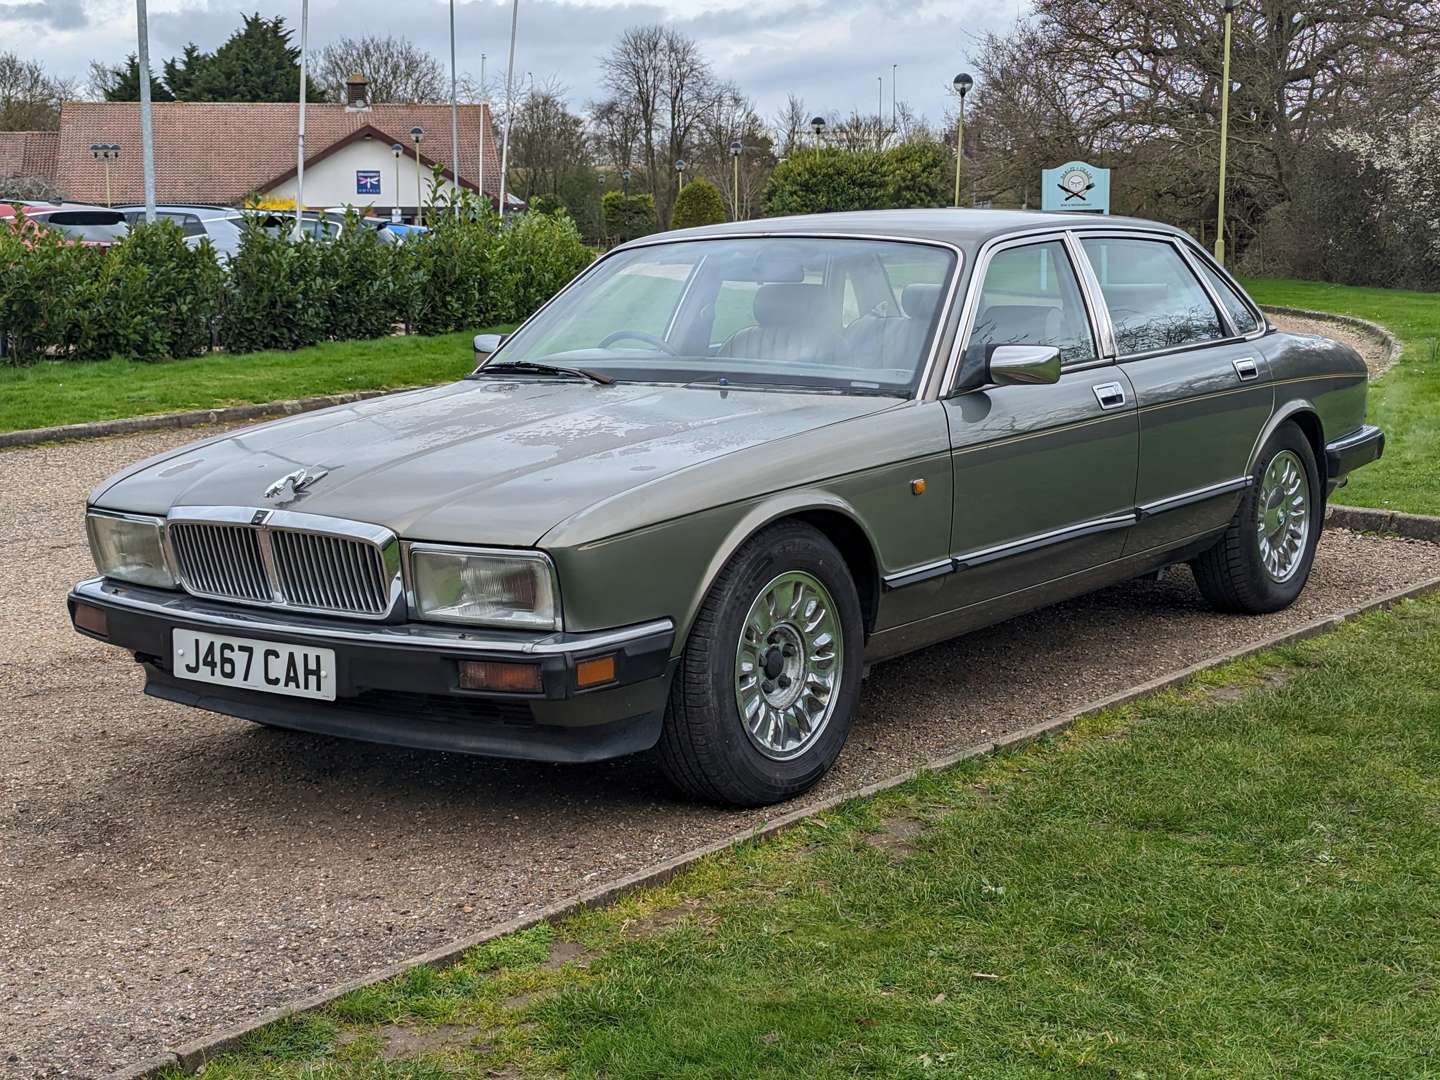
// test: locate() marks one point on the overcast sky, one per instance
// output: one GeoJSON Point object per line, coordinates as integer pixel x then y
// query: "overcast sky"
{"type": "Point", "coordinates": [829, 53]}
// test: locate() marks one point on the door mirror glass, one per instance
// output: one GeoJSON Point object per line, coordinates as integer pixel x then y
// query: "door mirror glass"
{"type": "Point", "coordinates": [485, 344]}
{"type": "Point", "coordinates": [1019, 365]}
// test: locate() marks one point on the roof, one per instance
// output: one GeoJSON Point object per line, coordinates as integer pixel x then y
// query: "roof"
{"type": "Point", "coordinates": [221, 151]}
{"type": "Point", "coordinates": [28, 153]}
{"type": "Point", "coordinates": [962, 227]}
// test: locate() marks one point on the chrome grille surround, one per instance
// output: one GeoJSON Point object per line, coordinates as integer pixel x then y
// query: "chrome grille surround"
{"type": "Point", "coordinates": [281, 558]}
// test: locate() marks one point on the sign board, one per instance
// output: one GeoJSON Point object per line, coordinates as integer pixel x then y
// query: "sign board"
{"type": "Point", "coordinates": [395, 218]}
{"type": "Point", "coordinates": [367, 181]}
{"type": "Point", "coordinates": [1075, 187]}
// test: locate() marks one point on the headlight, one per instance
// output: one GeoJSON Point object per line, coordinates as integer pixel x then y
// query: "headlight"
{"type": "Point", "coordinates": [129, 549]}
{"type": "Point", "coordinates": [489, 588]}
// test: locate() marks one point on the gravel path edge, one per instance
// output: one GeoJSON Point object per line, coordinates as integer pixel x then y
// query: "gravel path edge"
{"type": "Point", "coordinates": [99, 429]}
{"type": "Point", "coordinates": [191, 1057]}
{"type": "Point", "coordinates": [1363, 519]}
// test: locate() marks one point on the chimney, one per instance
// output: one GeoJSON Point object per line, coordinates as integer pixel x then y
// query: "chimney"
{"type": "Point", "coordinates": [357, 93]}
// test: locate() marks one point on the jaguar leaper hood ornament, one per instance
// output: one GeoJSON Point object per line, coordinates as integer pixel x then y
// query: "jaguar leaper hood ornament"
{"type": "Point", "coordinates": [292, 484]}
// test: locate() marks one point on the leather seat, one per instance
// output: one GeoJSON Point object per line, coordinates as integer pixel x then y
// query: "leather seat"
{"type": "Point", "coordinates": [894, 341]}
{"type": "Point", "coordinates": [788, 326]}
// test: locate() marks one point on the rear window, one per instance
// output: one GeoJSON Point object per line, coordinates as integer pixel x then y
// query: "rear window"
{"type": "Point", "coordinates": [1155, 302]}
{"type": "Point", "coordinates": [1235, 305]}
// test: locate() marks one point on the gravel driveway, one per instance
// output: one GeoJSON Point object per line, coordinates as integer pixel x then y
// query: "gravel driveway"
{"type": "Point", "coordinates": [164, 873]}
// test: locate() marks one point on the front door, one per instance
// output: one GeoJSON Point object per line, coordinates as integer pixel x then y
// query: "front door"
{"type": "Point", "coordinates": [1044, 475]}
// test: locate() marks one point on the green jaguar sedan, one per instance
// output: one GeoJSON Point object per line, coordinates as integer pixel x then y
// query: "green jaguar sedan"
{"type": "Point", "coordinates": [687, 504]}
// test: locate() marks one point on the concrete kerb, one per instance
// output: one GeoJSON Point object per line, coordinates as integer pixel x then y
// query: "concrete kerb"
{"type": "Point", "coordinates": [1393, 345]}
{"type": "Point", "coordinates": [191, 1056]}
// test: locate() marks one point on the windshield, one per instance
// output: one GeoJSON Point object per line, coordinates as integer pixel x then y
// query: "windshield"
{"type": "Point", "coordinates": [855, 316]}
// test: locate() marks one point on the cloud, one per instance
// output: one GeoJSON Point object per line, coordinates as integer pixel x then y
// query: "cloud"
{"type": "Point", "coordinates": [828, 52]}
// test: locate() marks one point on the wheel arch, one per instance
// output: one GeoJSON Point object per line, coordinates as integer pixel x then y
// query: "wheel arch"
{"type": "Point", "coordinates": [1306, 417]}
{"type": "Point", "coordinates": [831, 516]}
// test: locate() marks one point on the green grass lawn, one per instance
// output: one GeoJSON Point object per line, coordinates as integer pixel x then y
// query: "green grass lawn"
{"type": "Point", "coordinates": [1405, 402]}
{"type": "Point", "coordinates": [71, 393]}
{"type": "Point", "coordinates": [1236, 879]}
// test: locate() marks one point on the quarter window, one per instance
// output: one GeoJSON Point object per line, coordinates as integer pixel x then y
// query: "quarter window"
{"type": "Point", "coordinates": [1239, 311]}
{"type": "Point", "coordinates": [1155, 301]}
{"type": "Point", "coordinates": [1031, 297]}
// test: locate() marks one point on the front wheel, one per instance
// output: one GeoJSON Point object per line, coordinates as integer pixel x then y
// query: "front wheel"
{"type": "Point", "coordinates": [770, 676]}
{"type": "Point", "coordinates": [1263, 560]}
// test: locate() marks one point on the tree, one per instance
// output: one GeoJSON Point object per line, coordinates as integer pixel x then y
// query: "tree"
{"type": "Point", "coordinates": [657, 75]}
{"type": "Point", "coordinates": [732, 119]}
{"type": "Point", "coordinates": [181, 74]}
{"type": "Point", "coordinates": [398, 69]}
{"type": "Point", "coordinates": [627, 216]}
{"type": "Point", "coordinates": [121, 82]}
{"type": "Point", "coordinates": [792, 127]}
{"type": "Point", "coordinates": [29, 98]}
{"type": "Point", "coordinates": [699, 203]}
{"type": "Point", "coordinates": [257, 63]}
{"type": "Point", "coordinates": [547, 143]}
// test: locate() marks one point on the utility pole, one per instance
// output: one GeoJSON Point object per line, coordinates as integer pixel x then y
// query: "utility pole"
{"type": "Point", "coordinates": [454, 115]}
{"type": "Point", "coordinates": [147, 128]}
{"type": "Point", "coordinates": [484, 122]}
{"type": "Point", "coordinates": [894, 81]}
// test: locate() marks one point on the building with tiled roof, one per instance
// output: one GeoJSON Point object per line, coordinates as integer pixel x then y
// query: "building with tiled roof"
{"type": "Point", "coordinates": [223, 152]}
{"type": "Point", "coordinates": [28, 153]}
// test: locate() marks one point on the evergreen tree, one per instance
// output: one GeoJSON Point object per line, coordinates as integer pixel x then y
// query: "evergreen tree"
{"type": "Point", "coordinates": [255, 64]}
{"type": "Point", "coordinates": [122, 82]}
{"type": "Point", "coordinates": [181, 73]}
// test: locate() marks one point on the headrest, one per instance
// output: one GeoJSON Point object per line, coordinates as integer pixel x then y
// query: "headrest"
{"type": "Point", "coordinates": [1015, 322]}
{"type": "Point", "coordinates": [784, 304]}
{"type": "Point", "coordinates": [920, 301]}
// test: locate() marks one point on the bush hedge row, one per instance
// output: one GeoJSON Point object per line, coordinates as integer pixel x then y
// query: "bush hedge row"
{"type": "Point", "coordinates": [153, 297]}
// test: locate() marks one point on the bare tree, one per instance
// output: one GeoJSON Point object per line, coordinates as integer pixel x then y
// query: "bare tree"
{"type": "Point", "coordinates": [547, 143]}
{"type": "Point", "coordinates": [791, 126]}
{"type": "Point", "coordinates": [398, 69]}
{"type": "Point", "coordinates": [732, 119]}
{"type": "Point", "coordinates": [657, 76]}
{"type": "Point", "coordinates": [29, 98]}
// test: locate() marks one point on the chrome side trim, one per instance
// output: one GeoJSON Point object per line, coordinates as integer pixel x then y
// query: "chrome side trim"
{"type": "Point", "coordinates": [1187, 498]}
{"type": "Point", "coordinates": [1042, 540]}
{"type": "Point", "coordinates": [917, 574]}
{"type": "Point", "coordinates": [447, 639]}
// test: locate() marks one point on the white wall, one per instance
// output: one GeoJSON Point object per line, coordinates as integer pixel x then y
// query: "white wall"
{"type": "Point", "coordinates": [331, 182]}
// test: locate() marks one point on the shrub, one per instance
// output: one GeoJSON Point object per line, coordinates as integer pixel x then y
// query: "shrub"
{"type": "Point", "coordinates": [915, 174]}
{"type": "Point", "coordinates": [699, 203]}
{"type": "Point", "coordinates": [441, 276]}
{"type": "Point", "coordinates": [276, 297]}
{"type": "Point", "coordinates": [357, 266]}
{"type": "Point", "coordinates": [822, 181]}
{"type": "Point", "coordinates": [627, 216]}
{"type": "Point", "coordinates": [548, 204]}
{"type": "Point", "coordinates": [45, 291]}
{"type": "Point", "coordinates": [536, 256]}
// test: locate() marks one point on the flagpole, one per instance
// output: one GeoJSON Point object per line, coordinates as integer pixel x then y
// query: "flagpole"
{"type": "Point", "coordinates": [1224, 137]}
{"type": "Point", "coordinates": [484, 123]}
{"type": "Point", "coordinates": [300, 130]}
{"type": "Point", "coordinates": [147, 129]}
{"type": "Point", "coordinates": [454, 113]}
{"type": "Point", "coordinates": [509, 104]}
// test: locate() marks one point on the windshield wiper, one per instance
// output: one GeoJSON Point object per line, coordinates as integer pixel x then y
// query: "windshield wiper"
{"type": "Point", "coordinates": [535, 368]}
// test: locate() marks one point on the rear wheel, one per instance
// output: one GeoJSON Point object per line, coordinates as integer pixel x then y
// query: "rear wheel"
{"type": "Point", "coordinates": [1263, 560]}
{"type": "Point", "coordinates": [770, 675]}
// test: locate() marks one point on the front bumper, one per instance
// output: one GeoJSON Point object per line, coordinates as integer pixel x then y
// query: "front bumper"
{"type": "Point", "coordinates": [399, 683]}
{"type": "Point", "coordinates": [1345, 455]}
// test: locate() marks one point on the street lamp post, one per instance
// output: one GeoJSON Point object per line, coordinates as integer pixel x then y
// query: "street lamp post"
{"type": "Point", "coordinates": [817, 125]}
{"type": "Point", "coordinates": [105, 152]}
{"type": "Point", "coordinates": [418, 133]}
{"type": "Point", "coordinates": [679, 174]}
{"type": "Point", "coordinates": [736, 149]}
{"type": "Point", "coordinates": [1229, 9]}
{"type": "Point", "coordinates": [962, 84]}
{"type": "Point", "coordinates": [625, 180]}
{"type": "Point", "coordinates": [397, 150]}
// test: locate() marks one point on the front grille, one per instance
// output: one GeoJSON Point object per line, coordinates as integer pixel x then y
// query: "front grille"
{"type": "Point", "coordinates": [221, 560]}
{"type": "Point", "coordinates": [255, 564]}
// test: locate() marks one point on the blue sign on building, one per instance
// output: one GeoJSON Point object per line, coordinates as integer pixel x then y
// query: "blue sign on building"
{"type": "Point", "coordinates": [1075, 187]}
{"type": "Point", "coordinates": [367, 181]}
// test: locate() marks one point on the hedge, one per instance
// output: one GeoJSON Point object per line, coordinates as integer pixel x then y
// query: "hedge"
{"type": "Point", "coordinates": [153, 297]}
{"type": "Point", "coordinates": [699, 203]}
{"type": "Point", "coordinates": [822, 181]}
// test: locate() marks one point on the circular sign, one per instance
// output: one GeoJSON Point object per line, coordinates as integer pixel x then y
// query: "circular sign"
{"type": "Point", "coordinates": [1075, 181]}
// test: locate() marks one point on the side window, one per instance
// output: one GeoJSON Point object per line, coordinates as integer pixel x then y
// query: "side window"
{"type": "Point", "coordinates": [1031, 297]}
{"type": "Point", "coordinates": [1239, 311]}
{"type": "Point", "coordinates": [192, 225]}
{"type": "Point", "coordinates": [1155, 301]}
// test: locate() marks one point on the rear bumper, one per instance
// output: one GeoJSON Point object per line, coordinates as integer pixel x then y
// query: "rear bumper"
{"type": "Point", "coordinates": [399, 684]}
{"type": "Point", "coordinates": [1345, 455]}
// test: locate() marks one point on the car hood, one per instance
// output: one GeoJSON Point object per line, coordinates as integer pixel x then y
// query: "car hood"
{"type": "Point", "coordinates": [486, 461]}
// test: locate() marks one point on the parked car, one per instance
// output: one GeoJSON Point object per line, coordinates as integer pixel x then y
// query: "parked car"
{"type": "Point", "coordinates": [93, 226]}
{"type": "Point", "coordinates": [688, 502]}
{"type": "Point", "coordinates": [221, 225]}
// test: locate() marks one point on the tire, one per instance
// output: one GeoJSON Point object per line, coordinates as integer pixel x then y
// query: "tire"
{"type": "Point", "coordinates": [1259, 566]}
{"type": "Point", "coordinates": [706, 749]}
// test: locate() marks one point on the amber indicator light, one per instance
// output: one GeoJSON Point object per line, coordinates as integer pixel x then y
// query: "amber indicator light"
{"type": "Point", "coordinates": [92, 619]}
{"type": "Point", "coordinates": [496, 675]}
{"type": "Point", "coordinates": [594, 672]}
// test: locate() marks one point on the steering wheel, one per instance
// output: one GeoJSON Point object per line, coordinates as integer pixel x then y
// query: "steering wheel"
{"type": "Point", "coordinates": [638, 335]}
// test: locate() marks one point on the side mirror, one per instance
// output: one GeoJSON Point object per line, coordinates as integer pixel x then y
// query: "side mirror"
{"type": "Point", "coordinates": [1019, 365]}
{"type": "Point", "coordinates": [485, 344]}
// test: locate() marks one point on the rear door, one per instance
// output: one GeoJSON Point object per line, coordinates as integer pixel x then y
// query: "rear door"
{"type": "Point", "coordinates": [1044, 475]}
{"type": "Point", "coordinates": [1202, 387]}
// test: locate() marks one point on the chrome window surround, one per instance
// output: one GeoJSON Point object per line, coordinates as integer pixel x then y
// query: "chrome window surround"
{"type": "Point", "coordinates": [264, 522]}
{"type": "Point", "coordinates": [408, 548]}
{"type": "Point", "coordinates": [942, 320]}
{"type": "Point", "coordinates": [1095, 299]}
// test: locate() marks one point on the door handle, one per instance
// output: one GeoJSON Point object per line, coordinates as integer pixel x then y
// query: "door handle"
{"type": "Point", "coordinates": [1110, 395]}
{"type": "Point", "coordinates": [1246, 368]}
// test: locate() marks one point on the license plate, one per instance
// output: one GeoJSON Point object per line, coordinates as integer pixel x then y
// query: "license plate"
{"type": "Point", "coordinates": [254, 665]}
